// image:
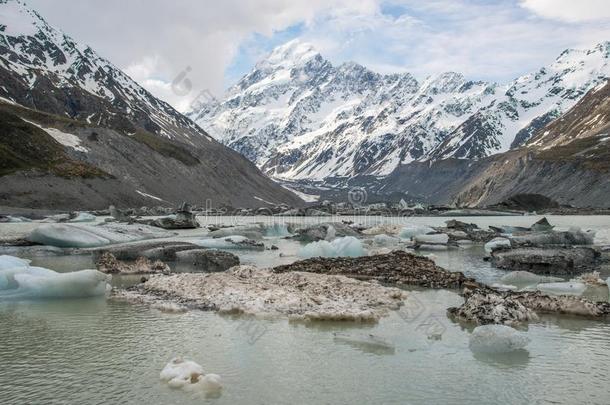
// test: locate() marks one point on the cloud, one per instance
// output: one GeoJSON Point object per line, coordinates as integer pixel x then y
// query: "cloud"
{"type": "Point", "coordinates": [570, 10]}
{"type": "Point", "coordinates": [155, 41]}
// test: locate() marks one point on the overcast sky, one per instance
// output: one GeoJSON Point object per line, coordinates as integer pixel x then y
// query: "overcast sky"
{"type": "Point", "coordinates": [155, 40]}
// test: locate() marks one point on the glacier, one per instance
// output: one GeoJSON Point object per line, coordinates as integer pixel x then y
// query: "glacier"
{"type": "Point", "coordinates": [497, 339]}
{"type": "Point", "coordinates": [29, 282]}
{"type": "Point", "coordinates": [347, 246]}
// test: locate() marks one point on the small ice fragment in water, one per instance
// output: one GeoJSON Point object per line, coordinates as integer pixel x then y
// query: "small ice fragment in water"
{"type": "Point", "coordinates": [497, 243]}
{"type": "Point", "coordinates": [439, 239]}
{"type": "Point", "coordinates": [497, 339]}
{"type": "Point", "coordinates": [385, 240]}
{"type": "Point", "coordinates": [187, 374]}
{"type": "Point", "coordinates": [27, 282]}
{"type": "Point", "coordinates": [347, 246]}
{"type": "Point", "coordinates": [410, 231]}
{"type": "Point", "coordinates": [524, 278]}
{"type": "Point", "coordinates": [565, 288]}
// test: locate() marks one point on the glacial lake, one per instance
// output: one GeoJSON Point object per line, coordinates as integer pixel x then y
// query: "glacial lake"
{"type": "Point", "coordinates": [98, 351]}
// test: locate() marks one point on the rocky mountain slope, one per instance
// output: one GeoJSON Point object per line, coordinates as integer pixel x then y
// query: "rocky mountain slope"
{"type": "Point", "coordinates": [567, 160]}
{"type": "Point", "coordinates": [301, 118]}
{"type": "Point", "coordinates": [131, 148]}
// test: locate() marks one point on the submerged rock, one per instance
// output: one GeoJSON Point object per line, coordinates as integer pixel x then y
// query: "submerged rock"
{"type": "Point", "coordinates": [553, 239]}
{"type": "Point", "coordinates": [248, 290]}
{"type": "Point", "coordinates": [525, 278]}
{"type": "Point", "coordinates": [563, 288]}
{"type": "Point", "coordinates": [496, 339]}
{"type": "Point", "coordinates": [109, 264]}
{"type": "Point", "coordinates": [208, 260]}
{"type": "Point", "coordinates": [397, 267]}
{"type": "Point", "coordinates": [488, 307]}
{"type": "Point", "coordinates": [485, 306]}
{"type": "Point", "coordinates": [547, 261]}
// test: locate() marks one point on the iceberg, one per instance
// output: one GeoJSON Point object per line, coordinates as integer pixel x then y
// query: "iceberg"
{"type": "Point", "coordinates": [435, 239]}
{"type": "Point", "coordinates": [410, 231]}
{"type": "Point", "coordinates": [525, 278]}
{"type": "Point", "coordinates": [497, 339]}
{"type": "Point", "coordinates": [230, 242]}
{"type": "Point", "coordinates": [565, 288]}
{"type": "Point", "coordinates": [385, 240]}
{"type": "Point", "coordinates": [497, 243]}
{"type": "Point", "coordinates": [347, 246]}
{"type": "Point", "coordinates": [28, 282]}
{"type": "Point", "coordinates": [9, 262]}
{"type": "Point", "coordinates": [86, 236]}
{"type": "Point", "coordinates": [278, 231]}
{"type": "Point", "coordinates": [83, 217]}
{"type": "Point", "coordinates": [187, 374]}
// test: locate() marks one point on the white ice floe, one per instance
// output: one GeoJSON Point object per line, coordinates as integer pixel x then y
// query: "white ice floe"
{"type": "Point", "coordinates": [497, 339]}
{"type": "Point", "coordinates": [525, 278]}
{"type": "Point", "coordinates": [187, 374]}
{"type": "Point", "coordinates": [564, 288]}
{"type": "Point", "coordinates": [347, 246]}
{"type": "Point", "coordinates": [277, 230]}
{"type": "Point", "coordinates": [83, 217]}
{"type": "Point", "coordinates": [85, 236]}
{"type": "Point", "coordinates": [435, 239]}
{"type": "Point", "coordinates": [497, 243]}
{"type": "Point", "coordinates": [410, 231]}
{"type": "Point", "coordinates": [385, 240]}
{"type": "Point", "coordinates": [28, 282]}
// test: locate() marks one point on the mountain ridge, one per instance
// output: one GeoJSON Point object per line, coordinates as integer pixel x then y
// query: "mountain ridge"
{"type": "Point", "coordinates": [301, 118]}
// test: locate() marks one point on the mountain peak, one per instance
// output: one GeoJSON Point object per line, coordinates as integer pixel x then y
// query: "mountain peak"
{"type": "Point", "coordinates": [18, 19]}
{"type": "Point", "coordinates": [294, 52]}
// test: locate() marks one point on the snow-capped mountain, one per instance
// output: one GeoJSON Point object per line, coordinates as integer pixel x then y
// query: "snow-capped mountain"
{"type": "Point", "coordinates": [301, 118]}
{"type": "Point", "coordinates": [43, 68]}
{"type": "Point", "coordinates": [79, 133]}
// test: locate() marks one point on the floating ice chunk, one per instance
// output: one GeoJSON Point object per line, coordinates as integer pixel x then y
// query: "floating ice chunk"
{"type": "Point", "coordinates": [7, 276]}
{"type": "Point", "coordinates": [383, 229]}
{"type": "Point", "coordinates": [410, 231]}
{"type": "Point", "coordinates": [438, 248]}
{"type": "Point", "coordinates": [83, 236]}
{"type": "Point", "coordinates": [37, 282]}
{"type": "Point", "coordinates": [187, 374]}
{"type": "Point", "coordinates": [17, 219]}
{"type": "Point", "coordinates": [385, 240]}
{"type": "Point", "coordinates": [230, 242]}
{"type": "Point", "coordinates": [66, 236]}
{"type": "Point", "coordinates": [523, 278]}
{"type": "Point", "coordinates": [83, 217]}
{"type": "Point", "coordinates": [504, 287]}
{"type": "Point", "coordinates": [436, 239]}
{"type": "Point", "coordinates": [497, 339]}
{"type": "Point", "coordinates": [277, 230]}
{"type": "Point", "coordinates": [565, 288]}
{"type": "Point", "coordinates": [497, 243]}
{"type": "Point", "coordinates": [347, 246]}
{"type": "Point", "coordinates": [9, 262]}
